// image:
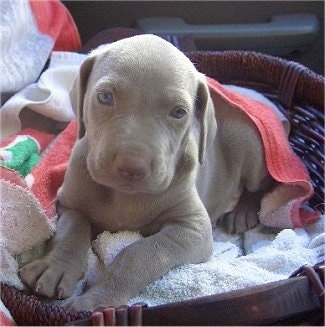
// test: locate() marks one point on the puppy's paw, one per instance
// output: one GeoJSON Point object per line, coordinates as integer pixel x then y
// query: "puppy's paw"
{"type": "Point", "coordinates": [244, 216]}
{"type": "Point", "coordinates": [96, 298]}
{"type": "Point", "coordinates": [238, 221]}
{"type": "Point", "coordinates": [51, 278]}
{"type": "Point", "coordinates": [85, 303]}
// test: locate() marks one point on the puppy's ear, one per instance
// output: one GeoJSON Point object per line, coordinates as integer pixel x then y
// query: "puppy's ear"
{"type": "Point", "coordinates": [206, 117]}
{"type": "Point", "coordinates": [77, 93]}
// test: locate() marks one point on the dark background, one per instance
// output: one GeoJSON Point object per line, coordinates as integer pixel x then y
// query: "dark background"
{"type": "Point", "coordinates": [92, 17]}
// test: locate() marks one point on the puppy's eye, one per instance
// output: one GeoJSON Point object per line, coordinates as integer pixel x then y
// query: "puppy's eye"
{"type": "Point", "coordinates": [106, 98]}
{"type": "Point", "coordinates": [178, 112]}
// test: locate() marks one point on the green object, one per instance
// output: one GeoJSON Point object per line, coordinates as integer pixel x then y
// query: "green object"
{"type": "Point", "coordinates": [22, 155]}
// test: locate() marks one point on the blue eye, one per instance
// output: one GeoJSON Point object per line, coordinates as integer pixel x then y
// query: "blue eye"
{"type": "Point", "coordinates": [178, 112]}
{"type": "Point", "coordinates": [106, 98]}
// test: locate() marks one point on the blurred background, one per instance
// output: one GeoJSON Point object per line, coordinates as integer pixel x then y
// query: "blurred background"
{"type": "Point", "coordinates": [293, 30]}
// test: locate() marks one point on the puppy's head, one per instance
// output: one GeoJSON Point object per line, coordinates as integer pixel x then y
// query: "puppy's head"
{"type": "Point", "coordinates": [144, 110]}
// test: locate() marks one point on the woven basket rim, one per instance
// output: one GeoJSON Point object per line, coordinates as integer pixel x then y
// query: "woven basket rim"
{"type": "Point", "coordinates": [289, 78]}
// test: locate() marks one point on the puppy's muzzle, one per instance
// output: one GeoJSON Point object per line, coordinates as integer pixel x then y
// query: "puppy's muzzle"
{"type": "Point", "coordinates": [131, 168]}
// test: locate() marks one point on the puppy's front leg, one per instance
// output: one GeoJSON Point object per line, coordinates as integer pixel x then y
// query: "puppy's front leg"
{"type": "Point", "coordinates": [57, 273]}
{"type": "Point", "coordinates": [179, 242]}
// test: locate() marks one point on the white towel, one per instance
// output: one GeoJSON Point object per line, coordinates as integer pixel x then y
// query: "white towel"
{"type": "Point", "coordinates": [259, 256]}
{"type": "Point", "coordinates": [49, 96]}
{"type": "Point", "coordinates": [24, 230]}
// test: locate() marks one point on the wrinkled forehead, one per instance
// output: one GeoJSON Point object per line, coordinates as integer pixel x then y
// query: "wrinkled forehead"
{"type": "Point", "coordinates": [151, 67]}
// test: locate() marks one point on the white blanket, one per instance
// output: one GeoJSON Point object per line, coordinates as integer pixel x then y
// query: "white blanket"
{"type": "Point", "coordinates": [259, 256]}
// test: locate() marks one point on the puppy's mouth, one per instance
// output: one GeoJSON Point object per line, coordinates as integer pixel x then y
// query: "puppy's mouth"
{"type": "Point", "coordinates": [130, 188]}
{"type": "Point", "coordinates": [145, 186]}
{"type": "Point", "coordinates": [134, 187]}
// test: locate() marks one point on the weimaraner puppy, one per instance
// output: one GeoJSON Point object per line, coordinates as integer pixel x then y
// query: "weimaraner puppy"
{"type": "Point", "coordinates": [148, 158]}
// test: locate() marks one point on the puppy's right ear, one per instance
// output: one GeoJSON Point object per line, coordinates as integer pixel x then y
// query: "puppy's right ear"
{"type": "Point", "coordinates": [78, 91]}
{"type": "Point", "coordinates": [205, 114]}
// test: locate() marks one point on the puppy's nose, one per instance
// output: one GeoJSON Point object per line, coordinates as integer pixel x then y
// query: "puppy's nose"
{"type": "Point", "coordinates": [131, 168]}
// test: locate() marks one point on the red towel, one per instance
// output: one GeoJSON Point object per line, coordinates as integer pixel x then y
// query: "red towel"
{"type": "Point", "coordinates": [283, 206]}
{"type": "Point", "coordinates": [49, 173]}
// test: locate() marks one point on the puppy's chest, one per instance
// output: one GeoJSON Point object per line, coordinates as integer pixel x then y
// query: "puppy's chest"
{"type": "Point", "coordinates": [115, 213]}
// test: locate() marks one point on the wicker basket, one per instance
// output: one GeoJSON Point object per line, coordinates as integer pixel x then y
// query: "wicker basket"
{"type": "Point", "coordinates": [299, 93]}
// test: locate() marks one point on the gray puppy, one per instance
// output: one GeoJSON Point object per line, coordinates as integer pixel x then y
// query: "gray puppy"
{"type": "Point", "coordinates": [148, 158]}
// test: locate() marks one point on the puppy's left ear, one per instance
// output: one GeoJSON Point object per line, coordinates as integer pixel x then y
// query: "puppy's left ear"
{"type": "Point", "coordinates": [206, 117]}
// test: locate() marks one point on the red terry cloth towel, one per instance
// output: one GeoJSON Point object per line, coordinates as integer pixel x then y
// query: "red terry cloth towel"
{"type": "Point", "coordinates": [49, 173]}
{"type": "Point", "coordinates": [283, 206]}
